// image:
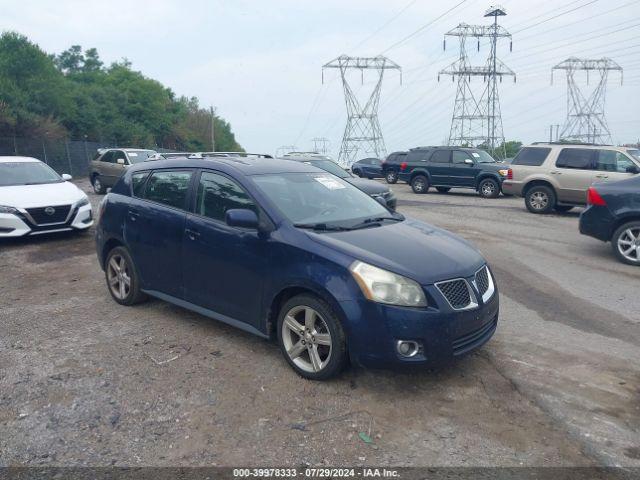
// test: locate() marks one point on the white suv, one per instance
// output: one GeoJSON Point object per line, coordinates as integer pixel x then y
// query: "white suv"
{"type": "Point", "coordinates": [34, 199]}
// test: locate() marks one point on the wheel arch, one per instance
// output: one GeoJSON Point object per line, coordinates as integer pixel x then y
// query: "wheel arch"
{"type": "Point", "coordinates": [628, 218]}
{"type": "Point", "coordinates": [538, 182]}
{"type": "Point", "coordinates": [107, 247]}
{"type": "Point", "coordinates": [484, 176]}
{"type": "Point", "coordinates": [420, 171]}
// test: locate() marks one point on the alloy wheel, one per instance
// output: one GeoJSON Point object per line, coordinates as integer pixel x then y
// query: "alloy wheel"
{"type": "Point", "coordinates": [629, 244]}
{"type": "Point", "coordinates": [119, 277]}
{"type": "Point", "coordinates": [539, 200]}
{"type": "Point", "coordinates": [97, 185]}
{"type": "Point", "coordinates": [306, 338]}
{"type": "Point", "coordinates": [488, 189]}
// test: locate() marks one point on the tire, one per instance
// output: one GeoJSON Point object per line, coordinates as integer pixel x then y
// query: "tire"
{"type": "Point", "coordinates": [391, 177]}
{"type": "Point", "coordinates": [540, 199]}
{"type": "Point", "coordinates": [98, 187]}
{"type": "Point", "coordinates": [563, 208]}
{"type": "Point", "coordinates": [420, 184]}
{"type": "Point", "coordinates": [622, 238]}
{"type": "Point", "coordinates": [357, 172]}
{"type": "Point", "coordinates": [489, 188]}
{"type": "Point", "coordinates": [329, 359]}
{"type": "Point", "coordinates": [443, 189]}
{"type": "Point", "coordinates": [119, 260]}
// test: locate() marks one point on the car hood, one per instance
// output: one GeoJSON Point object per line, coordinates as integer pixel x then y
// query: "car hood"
{"type": "Point", "coordinates": [417, 250]}
{"type": "Point", "coordinates": [367, 186]}
{"type": "Point", "coordinates": [31, 196]}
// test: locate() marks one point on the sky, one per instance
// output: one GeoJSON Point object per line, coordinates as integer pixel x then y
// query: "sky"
{"type": "Point", "coordinates": [259, 63]}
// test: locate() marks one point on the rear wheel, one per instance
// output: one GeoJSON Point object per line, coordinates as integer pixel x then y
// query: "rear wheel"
{"type": "Point", "coordinates": [311, 337]}
{"type": "Point", "coordinates": [357, 172]}
{"type": "Point", "coordinates": [540, 199]}
{"type": "Point", "coordinates": [391, 176]}
{"type": "Point", "coordinates": [443, 189]}
{"type": "Point", "coordinates": [98, 187]}
{"type": "Point", "coordinates": [122, 278]}
{"type": "Point", "coordinates": [420, 184]}
{"type": "Point", "coordinates": [563, 208]}
{"type": "Point", "coordinates": [626, 243]}
{"type": "Point", "coordinates": [489, 188]}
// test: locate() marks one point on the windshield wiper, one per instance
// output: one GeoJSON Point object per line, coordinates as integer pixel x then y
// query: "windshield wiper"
{"type": "Point", "coordinates": [321, 227]}
{"type": "Point", "coordinates": [375, 222]}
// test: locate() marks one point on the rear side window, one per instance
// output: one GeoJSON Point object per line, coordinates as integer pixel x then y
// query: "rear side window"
{"type": "Point", "coordinates": [531, 156]}
{"type": "Point", "coordinates": [169, 188]}
{"type": "Point", "coordinates": [137, 183]}
{"type": "Point", "coordinates": [418, 155]}
{"type": "Point", "coordinates": [440, 156]}
{"type": "Point", "coordinates": [217, 194]}
{"type": "Point", "coordinates": [576, 158]}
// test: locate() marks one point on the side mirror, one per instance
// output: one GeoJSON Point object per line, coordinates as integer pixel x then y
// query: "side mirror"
{"type": "Point", "coordinates": [632, 169]}
{"type": "Point", "coordinates": [66, 177]}
{"type": "Point", "coordinates": [241, 217]}
{"type": "Point", "coordinates": [468, 161]}
{"type": "Point", "coordinates": [381, 201]}
{"type": "Point", "coordinates": [120, 161]}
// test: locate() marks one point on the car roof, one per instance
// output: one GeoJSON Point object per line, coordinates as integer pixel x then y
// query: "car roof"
{"type": "Point", "coordinates": [244, 165]}
{"type": "Point", "coordinates": [574, 145]}
{"type": "Point", "coordinates": [16, 159]}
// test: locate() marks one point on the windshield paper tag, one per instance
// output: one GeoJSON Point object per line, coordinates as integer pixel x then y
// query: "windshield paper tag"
{"type": "Point", "coordinates": [475, 154]}
{"type": "Point", "coordinates": [133, 154]}
{"type": "Point", "coordinates": [329, 183]}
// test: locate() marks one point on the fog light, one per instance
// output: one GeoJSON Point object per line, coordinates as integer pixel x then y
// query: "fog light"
{"type": "Point", "coordinates": [407, 348]}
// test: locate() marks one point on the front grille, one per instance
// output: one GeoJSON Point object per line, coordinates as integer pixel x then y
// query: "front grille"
{"type": "Point", "coordinates": [456, 292]}
{"type": "Point", "coordinates": [42, 217]}
{"type": "Point", "coordinates": [471, 340]}
{"type": "Point", "coordinates": [482, 280]}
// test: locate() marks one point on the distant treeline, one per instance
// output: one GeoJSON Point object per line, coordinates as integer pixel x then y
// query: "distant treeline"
{"type": "Point", "coordinates": [74, 95]}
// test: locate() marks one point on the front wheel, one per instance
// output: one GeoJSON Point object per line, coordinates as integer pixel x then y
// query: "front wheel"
{"type": "Point", "coordinates": [98, 187]}
{"type": "Point", "coordinates": [489, 188]}
{"type": "Point", "coordinates": [357, 172]}
{"type": "Point", "coordinates": [420, 184]}
{"type": "Point", "coordinates": [540, 199]}
{"type": "Point", "coordinates": [625, 243]}
{"type": "Point", "coordinates": [391, 177]}
{"type": "Point", "coordinates": [311, 337]}
{"type": "Point", "coordinates": [122, 278]}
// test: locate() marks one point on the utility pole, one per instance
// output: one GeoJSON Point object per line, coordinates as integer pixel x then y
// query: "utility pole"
{"type": "Point", "coordinates": [362, 132]}
{"type": "Point", "coordinates": [213, 130]}
{"type": "Point", "coordinates": [585, 115]}
{"type": "Point", "coordinates": [476, 119]}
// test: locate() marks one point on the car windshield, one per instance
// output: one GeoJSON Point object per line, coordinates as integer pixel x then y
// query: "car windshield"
{"type": "Point", "coordinates": [321, 200]}
{"type": "Point", "coordinates": [480, 156]}
{"type": "Point", "coordinates": [634, 152]}
{"type": "Point", "coordinates": [137, 156]}
{"type": "Point", "coordinates": [27, 173]}
{"type": "Point", "coordinates": [331, 167]}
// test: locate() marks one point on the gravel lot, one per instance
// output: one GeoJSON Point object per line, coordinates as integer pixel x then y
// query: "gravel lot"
{"type": "Point", "coordinates": [84, 381]}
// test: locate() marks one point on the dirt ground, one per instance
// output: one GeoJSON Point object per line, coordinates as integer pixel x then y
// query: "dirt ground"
{"type": "Point", "coordinates": [84, 381]}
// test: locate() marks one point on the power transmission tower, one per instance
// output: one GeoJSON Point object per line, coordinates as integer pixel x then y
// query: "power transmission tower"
{"type": "Point", "coordinates": [477, 120]}
{"type": "Point", "coordinates": [320, 145]}
{"type": "Point", "coordinates": [585, 116]}
{"type": "Point", "coordinates": [363, 132]}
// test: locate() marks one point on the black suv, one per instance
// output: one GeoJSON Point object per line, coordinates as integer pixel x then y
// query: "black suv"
{"type": "Point", "coordinates": [452, 167]}
{"type": "Point", "coordinates": [391, 166]}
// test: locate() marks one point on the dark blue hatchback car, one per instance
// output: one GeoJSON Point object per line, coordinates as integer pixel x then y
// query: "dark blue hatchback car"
{"type": "Point", "coordinates": [285, 250]}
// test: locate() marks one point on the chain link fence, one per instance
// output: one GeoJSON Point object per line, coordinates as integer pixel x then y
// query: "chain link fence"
{"type": "Point", "coordinates": [64, 156]}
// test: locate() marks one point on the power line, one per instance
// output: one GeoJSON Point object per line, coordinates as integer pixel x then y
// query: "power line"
{"type": "Point", "coordinates": [555, 16]}
{"type": "Point", "coordinates": [384, 25]}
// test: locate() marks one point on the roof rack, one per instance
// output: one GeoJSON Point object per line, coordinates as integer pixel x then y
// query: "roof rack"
{"type": "Point", "coordinates": [577, 142]}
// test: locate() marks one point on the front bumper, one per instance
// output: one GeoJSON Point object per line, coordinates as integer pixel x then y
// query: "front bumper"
{"type": "Point", "coordinates": [597, 221]}
{"type": "Point", "coordinates": [443, 333]}
{"type": "Point", "coordinates": [20, 224]}
{"type": "Point", "coordinates": [512, 187]}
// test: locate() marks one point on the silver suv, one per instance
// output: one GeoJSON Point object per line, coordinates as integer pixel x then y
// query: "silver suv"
{"type": "Point", "coordinates": [110, 163]}
{"type": "Point", "coordinates": [556, 176]}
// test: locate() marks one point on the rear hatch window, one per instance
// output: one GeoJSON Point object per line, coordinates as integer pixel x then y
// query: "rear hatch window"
{"type": "Point", "coordinates": [532, 156]}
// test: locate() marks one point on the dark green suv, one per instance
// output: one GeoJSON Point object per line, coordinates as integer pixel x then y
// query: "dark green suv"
{"type": "Point", "coordinates": [452, 167]}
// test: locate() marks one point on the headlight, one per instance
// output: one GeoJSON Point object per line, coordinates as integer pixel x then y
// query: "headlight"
{"type": "Point", "coordinates": [4, 209]}
{"type": "Point", "coordinates": [83, 202]}
{"type": "Point", "coordinates": [386, 287]}
{"type": "Point", "coordinates": [503, 172]}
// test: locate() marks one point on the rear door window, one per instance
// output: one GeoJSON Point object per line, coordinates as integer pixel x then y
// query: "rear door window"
{"type": "Point", "coordinates": [531, 156]}
{"type": "Point", "coordinates": [440, 156]}
{"type": "Point", "coordinates": [169, 188]}
{"type": "Point", "coordinates": [417, 155]}
{"type": "Point", "coordinates": [576, 158]}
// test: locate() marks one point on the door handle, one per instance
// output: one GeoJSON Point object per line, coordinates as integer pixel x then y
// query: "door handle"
{"type": "Point", "coordinates": [133, 215]}
{"type": "Point", "coordinates": [555, 172]}
{"type": "Point", "coordinates": [192, 234]}
{"type": "Point", "coordinates": [602, 176]}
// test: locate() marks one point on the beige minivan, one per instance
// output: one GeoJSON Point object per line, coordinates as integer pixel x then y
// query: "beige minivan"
{"type": "Point", "coordinates": [109, 164]}
{"type": "Point", "coordinates": [556, 176]}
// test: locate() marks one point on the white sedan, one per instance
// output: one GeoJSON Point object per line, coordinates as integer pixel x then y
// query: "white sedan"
{"type": "Point", "coordinates": [34, 199]}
